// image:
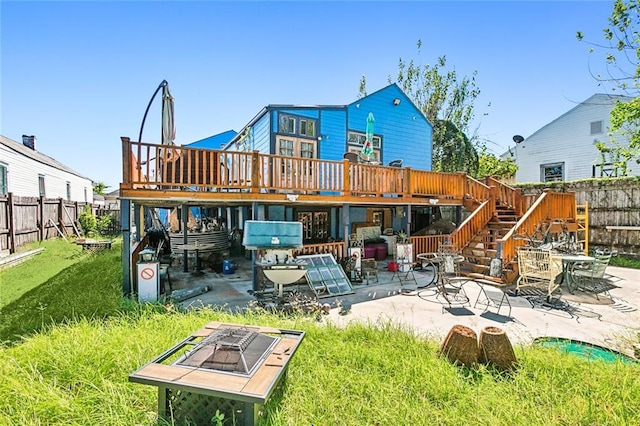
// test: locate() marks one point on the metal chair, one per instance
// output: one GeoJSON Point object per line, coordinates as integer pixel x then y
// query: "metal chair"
{"type": "Point", "coordinates": [588, 276]}
{"type": "Point", "coordinates": [538, 268]}
{"type": "Point", "coordinates": [449, 284]}
{"type": "Point", "coordinates": [351, 156]}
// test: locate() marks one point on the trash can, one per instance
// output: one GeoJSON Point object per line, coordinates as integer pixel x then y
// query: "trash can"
{"type": "Point", "coordinates": [227, 267]}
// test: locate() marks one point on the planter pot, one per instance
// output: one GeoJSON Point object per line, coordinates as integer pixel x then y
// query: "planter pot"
{"type": "Point", "coordinates": [494, 348]}
{"type": "Point", "coordinates": [461, 346]}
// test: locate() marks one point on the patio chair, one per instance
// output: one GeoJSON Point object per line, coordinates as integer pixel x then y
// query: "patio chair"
{"type": "Point", "coordinates": [449, 284]}
{"type": "Point", "coordinates": [351, 156]}
{"type": "Point", "coordinates": [538, 268]}
{"type": "Point", "coordinates": [589, 276]}
{"type": "Point", "coordinates": [395, 163]}
{"type": "Point", "coordinates": [369, 268]}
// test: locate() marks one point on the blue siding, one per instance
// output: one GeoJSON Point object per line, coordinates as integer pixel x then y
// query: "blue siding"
{"type": "Point", "coordinates": [333, 129]}
{"type": "Point", "coordinates": [403, 128]}
{"type": "Point", "coordinates": [261, 135]}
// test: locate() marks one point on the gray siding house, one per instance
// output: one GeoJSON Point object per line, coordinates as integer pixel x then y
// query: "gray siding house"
{"type": "Point", "coordinates": [26, 172]}
{"type": "Point", "coordinates": [565, 149]}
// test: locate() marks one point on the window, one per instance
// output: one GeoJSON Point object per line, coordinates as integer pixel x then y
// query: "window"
{"type": "Point", "coordinates": [552, 172]}
{"type": "Point", "coordinates": [307, 127]}
{"type": "Point", "coordinates": [315, 226]}
{"type": "Point", "coordinates": [373, 157]}
{"type": "Point", "coordinates": [68, 191]}
{"type": "Point", "coordinates": [85, 194]}
{"type": "Point", "coordinates": [285, 147]}
{"type": "Point", "coordinates": [41, 186]}
{"type": "Point", "coordinates": [355, 138]}
{"type": "Point", "coordinates": [596, 127]}
{"type": "Point", "coordinates": [4, 185]}
{"type": "Point", "coordinates": [297, 147]}
{"type": "Point", "coordinates": [287, 124]}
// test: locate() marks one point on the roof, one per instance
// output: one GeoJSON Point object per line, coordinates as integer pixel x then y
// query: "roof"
{"type": "Point", "coordinates": [215, 141]}
{"type": "Point", "coordinates": [38, 156]}
{"type": "Point", "coordinates": [597, 99]}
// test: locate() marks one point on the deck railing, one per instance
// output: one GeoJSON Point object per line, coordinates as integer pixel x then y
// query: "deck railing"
{"type": "Point", "coordinates": [549, 205]}
{"type": "Point", "coordinates": [162, 167]}
{"type": "Point", "coordinates": [477, 220]}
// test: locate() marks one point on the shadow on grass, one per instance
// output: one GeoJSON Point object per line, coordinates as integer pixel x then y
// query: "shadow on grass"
{"type": "Point", "coordinates": [91, 288]}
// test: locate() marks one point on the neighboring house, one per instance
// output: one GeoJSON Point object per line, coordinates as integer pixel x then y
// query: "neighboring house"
{"type": "Point", "coordinates": [565, 149]}
{"type": "Point", "coordinates": [26, 172]}
{"type": "Point", "coordinates": [112, 200]}
{"type": "Point", "coordinates": [327, 132]}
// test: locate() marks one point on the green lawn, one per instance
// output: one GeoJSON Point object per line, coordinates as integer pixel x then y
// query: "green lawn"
{"type": "Point", "coordinates": [56, 257]}
{"type": "Point", "coordinates": [72, 341]}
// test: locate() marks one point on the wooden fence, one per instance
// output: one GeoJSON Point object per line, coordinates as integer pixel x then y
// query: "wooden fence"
{"type": "Point", "coordinates": [614, 210]}
{"type": "Point", "coordinates": [27, 219]}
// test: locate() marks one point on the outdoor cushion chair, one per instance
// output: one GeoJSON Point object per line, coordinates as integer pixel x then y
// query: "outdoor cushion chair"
{"type": "Point", "coordinates": [588, 276]}
{"type": "Point", "coordinates": [369, 268]}
{"type": "Point", "coordinates": [538, 268]}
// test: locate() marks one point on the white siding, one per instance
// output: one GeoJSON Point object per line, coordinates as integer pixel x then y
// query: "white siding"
{"type": "Point", "coordinates": [567, 140]}
{"type": "Point", "coordinates": [22, 178]}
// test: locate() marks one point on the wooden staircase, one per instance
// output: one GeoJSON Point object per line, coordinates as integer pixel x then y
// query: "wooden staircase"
{"type": "Point", "coordinates": [483, 247]}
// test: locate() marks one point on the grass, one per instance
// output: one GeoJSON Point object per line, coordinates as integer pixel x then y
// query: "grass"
{"type": "Point", "coordinates": [56, 257]}
{"type": "Point", "coordinates": [625, 262]}
{"type": "Point", "coordinates": [71, 367]}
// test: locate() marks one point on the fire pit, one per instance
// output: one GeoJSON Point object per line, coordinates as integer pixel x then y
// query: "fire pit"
{"type": "Point", "coordinates": [231, 368]}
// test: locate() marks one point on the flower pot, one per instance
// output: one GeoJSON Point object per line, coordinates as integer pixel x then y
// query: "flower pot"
{"type": "Point", "coordinates": [494, 348]}
{"type": "Point", "coordinates": [461, 346]}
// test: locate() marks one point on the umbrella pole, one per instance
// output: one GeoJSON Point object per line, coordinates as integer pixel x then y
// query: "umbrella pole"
{"type": "Point", "coordinates": [162, 84]}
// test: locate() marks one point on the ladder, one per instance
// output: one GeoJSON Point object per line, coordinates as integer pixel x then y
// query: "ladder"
{"type": "Point", "coordinates": [582, 218]}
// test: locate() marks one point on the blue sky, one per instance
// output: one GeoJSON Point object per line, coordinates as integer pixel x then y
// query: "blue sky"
{"type": "Point", "coordinates": [79, 74]}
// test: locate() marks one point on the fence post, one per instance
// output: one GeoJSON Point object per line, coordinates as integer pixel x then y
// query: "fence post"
{"type": "Point", "coordinates": [41, 213]}
{"type": "Point", "coordinates": [12, 228]}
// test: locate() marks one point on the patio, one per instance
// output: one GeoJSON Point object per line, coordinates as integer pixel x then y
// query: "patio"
{"type": "Point", "coordinates": [612, 319]}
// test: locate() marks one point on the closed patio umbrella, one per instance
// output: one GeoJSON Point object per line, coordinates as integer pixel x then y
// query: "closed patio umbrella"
{"type": "Point", "coordinates": [168, 123]}
{"type": "Point", "coordinates": [367, 148]}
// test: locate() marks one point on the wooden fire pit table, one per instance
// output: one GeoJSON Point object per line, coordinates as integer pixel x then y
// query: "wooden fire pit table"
{"type": "Point", "coordinates": [196, 377]}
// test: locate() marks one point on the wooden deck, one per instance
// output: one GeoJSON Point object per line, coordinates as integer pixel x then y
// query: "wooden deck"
{"type": "Point", "coordinates": [167, 176]}
{"type": "Point", "coordinates": [159, 174]}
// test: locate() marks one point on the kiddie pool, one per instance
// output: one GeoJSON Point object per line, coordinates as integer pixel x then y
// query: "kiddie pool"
{"type": "Point", "coordinates": [584, 349]}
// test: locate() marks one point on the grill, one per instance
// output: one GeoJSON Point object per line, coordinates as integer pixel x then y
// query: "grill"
{"type": "Point", "coordinates": [230, 368]}
{"type": "Point", "coordinates": [231, 350]}
{"type": "Point", "coordinates": [276, 241]}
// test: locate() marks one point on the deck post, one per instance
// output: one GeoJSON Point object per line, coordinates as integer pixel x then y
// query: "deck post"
{"type": "Point", "coordinates": [406, 189]}
{"type": "Point", "coordinates": [254, 267]}
{"type": "Point", "coordinates": [346, 178]}
{"type": "Point", "coordinates": [185, 237]}
{"type": "Point", "coordinates": [126, 160]}
{"type": "Point", "coordinates": [346, 222]}
{"type": "Point", "coordinates": [255, 171]}
{"type": "Point", "coordinates": [125, 224]}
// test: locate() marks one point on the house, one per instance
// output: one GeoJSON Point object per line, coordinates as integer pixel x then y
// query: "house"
{"type": "Point", "coordinates": [305, 163]}
{"type": "Point", "coordinates": [565, 149]}
{"type": "Point", "coordinates": [327, 132]}
{"type": "Point", "coordinates": [26, 172]}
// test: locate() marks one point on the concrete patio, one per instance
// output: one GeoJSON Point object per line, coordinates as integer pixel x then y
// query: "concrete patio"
{"type": "Point", "coordinates": [611, 320]}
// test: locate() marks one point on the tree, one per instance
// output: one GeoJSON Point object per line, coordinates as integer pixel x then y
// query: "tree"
{"type": "Point", "coordinates": [447, 101]}
{"type": "Point", "coordinates": [622, 74]}
{"type": "Point", "coordinates": [490, 165]}
{"type": "Point", "coordinates": [99, 188]}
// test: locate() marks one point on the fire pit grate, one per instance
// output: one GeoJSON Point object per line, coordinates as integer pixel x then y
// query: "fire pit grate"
{"type": "Point", "coordinates": [235, 350]}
